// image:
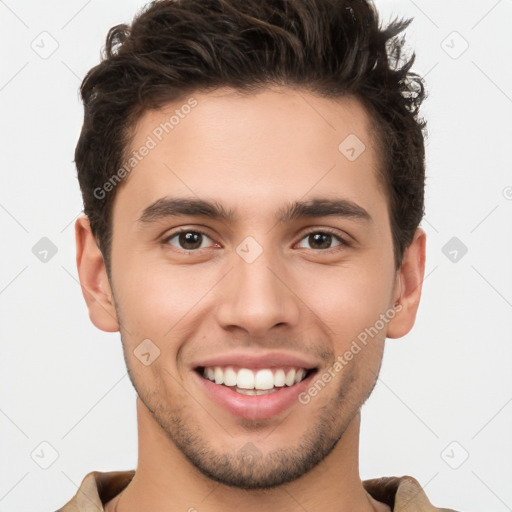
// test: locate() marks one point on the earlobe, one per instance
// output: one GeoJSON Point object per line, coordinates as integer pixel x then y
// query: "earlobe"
{"type": "Point", "coordinates": [409, 284]}
{"type": "Point", "coordinates": [93, 278]}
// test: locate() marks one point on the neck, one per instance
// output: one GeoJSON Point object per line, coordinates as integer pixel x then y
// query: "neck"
{"type": "Point", "coordinates": [166, 480]}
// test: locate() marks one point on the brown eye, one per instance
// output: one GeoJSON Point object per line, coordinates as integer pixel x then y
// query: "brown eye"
{"type": "Point", "coordinates": [188, 240]}
{"type": "Point", "coordinates": [320, 240]}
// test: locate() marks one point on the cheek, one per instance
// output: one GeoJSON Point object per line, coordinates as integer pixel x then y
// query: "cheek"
{"type": "Point", "coordinates": [348, 299]}
{"type": "Point", "coordinates": [156, 300]}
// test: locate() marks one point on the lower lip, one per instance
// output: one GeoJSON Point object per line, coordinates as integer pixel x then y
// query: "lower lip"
{"type": "Point", "coordinates": [255, 407]}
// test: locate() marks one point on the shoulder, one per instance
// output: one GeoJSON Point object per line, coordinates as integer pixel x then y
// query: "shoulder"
{"type": "Point", "coordinates": [400, 493]}
{"type": "Point", "coordinates": [96, 489]}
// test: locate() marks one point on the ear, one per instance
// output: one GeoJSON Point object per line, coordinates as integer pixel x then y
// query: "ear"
{"type": "Point", "coordinates": [408, 286]}
{"type": "Point", "coordinates": [93, 278]}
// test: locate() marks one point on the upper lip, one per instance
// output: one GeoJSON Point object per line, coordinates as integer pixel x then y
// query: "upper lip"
{"type": "Point", "coordinates": [252, 360]}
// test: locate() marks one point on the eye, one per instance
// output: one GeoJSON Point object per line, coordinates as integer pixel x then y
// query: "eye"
{"type": "Point", "coordinates": [322, 240]}
{"type": "Point", "coordinates": [188, 240]}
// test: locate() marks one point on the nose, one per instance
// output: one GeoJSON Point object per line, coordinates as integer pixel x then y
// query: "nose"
{"type": "Point", "coordinates": [258, 296]}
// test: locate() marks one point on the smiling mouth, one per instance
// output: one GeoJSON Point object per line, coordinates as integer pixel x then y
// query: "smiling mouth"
{"type": "Point", "coordinates": [254, 382]}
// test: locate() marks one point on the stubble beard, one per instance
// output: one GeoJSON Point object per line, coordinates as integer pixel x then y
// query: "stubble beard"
{"type": "Point", "coordinates": [248, 468]}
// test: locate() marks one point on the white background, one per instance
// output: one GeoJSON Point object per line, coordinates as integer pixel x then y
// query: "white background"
{"type": "Point", "coordinates": [64, 382]}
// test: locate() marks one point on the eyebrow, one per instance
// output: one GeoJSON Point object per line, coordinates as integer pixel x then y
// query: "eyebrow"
{"type": "Point", "coordinates": [323, 208]}
{"type": "Point", "coordinates": [173, 207]}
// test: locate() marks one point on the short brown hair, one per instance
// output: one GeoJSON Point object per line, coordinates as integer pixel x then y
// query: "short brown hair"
{"type": "Point", "coordinates": [329, 47]}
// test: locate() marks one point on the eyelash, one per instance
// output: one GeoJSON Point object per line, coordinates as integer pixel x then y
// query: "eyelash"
{"type": "Point", "coordinates": [325, 231]}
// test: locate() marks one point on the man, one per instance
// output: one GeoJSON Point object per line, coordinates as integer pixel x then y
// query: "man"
{"type": "Point", "coordinates": [253, 182]}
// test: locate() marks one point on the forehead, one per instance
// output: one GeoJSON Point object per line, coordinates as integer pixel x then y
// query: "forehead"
{"type": "Point", "coordinates": [246, 149]}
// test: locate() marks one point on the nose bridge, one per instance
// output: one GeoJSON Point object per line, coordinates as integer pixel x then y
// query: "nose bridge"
{"type": "Point", "coordinates": [256, 299]}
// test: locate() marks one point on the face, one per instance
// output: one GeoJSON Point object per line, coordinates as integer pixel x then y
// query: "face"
{"type": "Point", "coordinates": [250, 253]}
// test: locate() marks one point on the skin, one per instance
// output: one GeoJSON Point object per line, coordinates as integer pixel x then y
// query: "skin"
{"type": "Point", "coordinates": [253, 154]}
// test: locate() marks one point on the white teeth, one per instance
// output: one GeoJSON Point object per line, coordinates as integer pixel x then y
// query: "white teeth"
{"type": "Point", "coordinates": [229, 377]}
{"type": "Point", "coordinates": [290, 378]}
{"type": "Point", "coordinates": [255, 391]}
{"type": "Point", "coordinates": [219, 375]}
{"type": "Point", "coordinates": [245, 379]}
{"type": "Point", "coordinates": [299, 375]}
{"type": "Point", "coordinates": [279, 378]}
{"type": "Point", "coordinates": [264, 379]}
{"type": "Point", "coordinates": [261, 380]}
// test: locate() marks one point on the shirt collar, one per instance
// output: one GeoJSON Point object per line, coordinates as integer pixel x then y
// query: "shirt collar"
{"type": "Point", "coordinates": [402, 494]}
